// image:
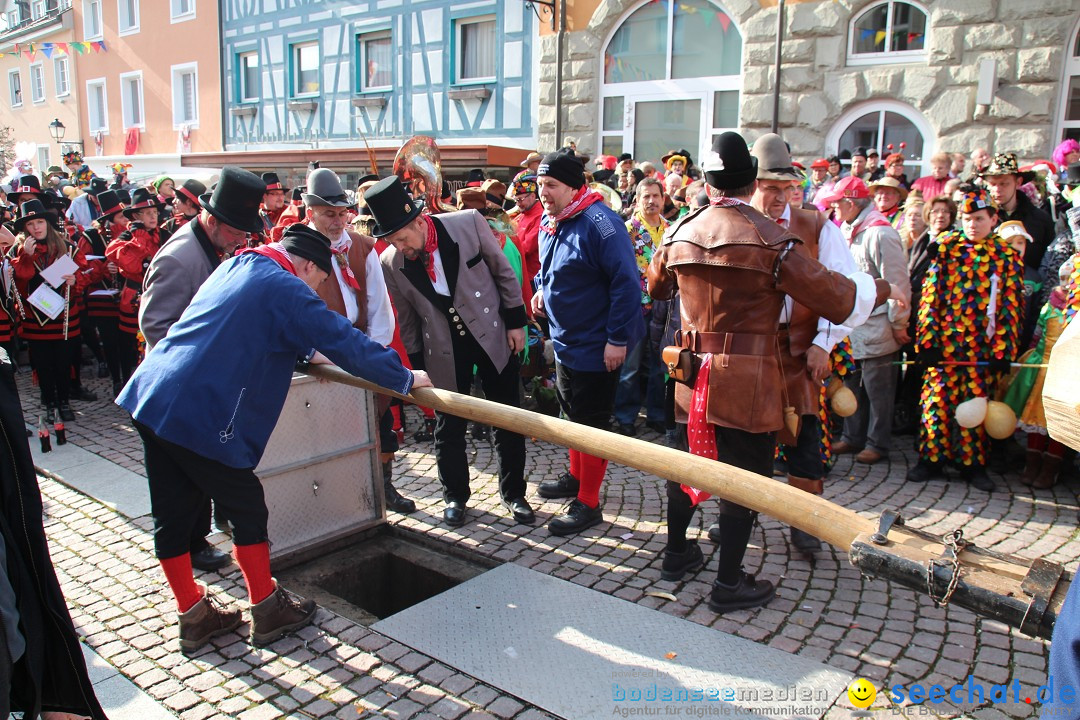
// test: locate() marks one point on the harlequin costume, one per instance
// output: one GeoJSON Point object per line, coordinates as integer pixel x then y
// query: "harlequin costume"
{"type": "Point", "coordinates": [972, 297]}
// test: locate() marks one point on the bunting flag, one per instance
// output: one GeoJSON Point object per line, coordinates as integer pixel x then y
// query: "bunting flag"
{"type": "Point", "coordinates": [725, 21]}
{"type": "Point", "coordinates": [47, 49]}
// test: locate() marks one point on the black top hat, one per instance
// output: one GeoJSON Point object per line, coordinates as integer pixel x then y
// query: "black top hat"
{"type": "Point", "coordinates": [55, 200]}
{"type": "Point", "coordinates": [141, 199]}
{"type": "Point", "coordinates": [368, 178]}
{"type": "Point", "coordinates": [1072, 174]}
{"type": "Point", "coordinates": [236, 199]}
{"type": "Point", "coordinates": [272, 182]}
{"type": "Point", "coordinates": [110, 203]}
{"type": "Point", "coordinates": [731, 165]}
{"type": "Point", "coordinates": [191, 190]}
{"type": "Point", "coordinates": [476, 178]}
{"type": "Point", "coordinates": [97, 186]}
{"type": "Point", "coordinates": [625, 156]}
{"type": "Point", "coordinates": [391, 205]}
{"type": "Point", "coordinates": [26, 184]}
{"type": "Point", "coordinates": [31, 210]}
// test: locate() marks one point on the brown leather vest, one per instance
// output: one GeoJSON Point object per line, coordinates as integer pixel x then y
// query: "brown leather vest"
{"type": "Point", "coordinates": [356, 257]}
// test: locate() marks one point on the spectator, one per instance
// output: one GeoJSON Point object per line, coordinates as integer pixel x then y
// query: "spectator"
{"type": "Point", "coordinates": [858, 163]}
{"type": "Point", "coordinates": [527, 224]}
{"type": "Point", "coordinates": [836, 168]}
{"type": "Point", "coordinates": [888, 193]}
{"type": "Point", "coordinates": [956, 168]}
{"type": "Point", "coordinates": [933, 184]}
{"type": "Point", "coordinates": [980, 160]}
{"type": "Point", "coordinates": [872, 162]}
{"type": "Point", "coordinates": [1066, 154]}
{"type": "Point", "coordinates": [1004, 178]}
{"type": "Point", "coordinates": [875, 345]}
{"type": "Point", "coordinates": [819, 176]}
{"type": "Point", "coordinates": [643, 365]}
{"type": "Point", "coordinates": [894, 168]}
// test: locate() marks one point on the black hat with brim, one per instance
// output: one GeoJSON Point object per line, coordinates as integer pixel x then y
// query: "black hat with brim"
{"type": "Point", "coordinates": [110, 203]}
{"type": "Point", "coordinates": [142, 199]}
{"type": "Point", "coordinates": [390, 205]}
{"type": "Point", "coordinates": [31, 210]}
{"type": "Point", "coordinates": [236, 199]}
{"type": "Point", "coordinates": [730, 164]}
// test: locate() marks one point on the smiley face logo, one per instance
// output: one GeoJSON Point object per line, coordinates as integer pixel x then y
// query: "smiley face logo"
{"type": "Point", "coordinates": [861, 693]}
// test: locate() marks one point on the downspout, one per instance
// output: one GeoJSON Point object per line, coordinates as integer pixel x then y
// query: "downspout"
{"type": "Point", "coordinates": [559, 41]}
{"type": "Point", "coordinates": [779, 50]}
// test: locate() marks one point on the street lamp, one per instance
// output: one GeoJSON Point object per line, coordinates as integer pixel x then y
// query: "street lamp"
{"type": "Point", "coordinates": [56, 129]}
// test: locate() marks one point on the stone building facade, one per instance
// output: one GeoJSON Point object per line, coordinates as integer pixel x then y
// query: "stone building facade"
{"type": "Point", "coordinates": [854, 72]}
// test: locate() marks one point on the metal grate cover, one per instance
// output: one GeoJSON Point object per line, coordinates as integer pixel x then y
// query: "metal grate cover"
{"type": "Point", "coordinates": [582, 654]}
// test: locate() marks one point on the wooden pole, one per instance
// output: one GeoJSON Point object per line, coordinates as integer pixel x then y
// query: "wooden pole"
{"type": "Point", "coordinates": [833, 523]}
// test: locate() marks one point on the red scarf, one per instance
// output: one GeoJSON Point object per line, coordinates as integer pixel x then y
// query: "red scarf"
{"type": "Point", "coordinates": [583, 198]}
{"type": "Point", "coordinates": [700, 435]}
{"type": "Point", "coordinates": [722, 201]}
{"type": "Point", "coordinates": [274, 251]}
{"type": "Point", "coordinates": [431, 244]}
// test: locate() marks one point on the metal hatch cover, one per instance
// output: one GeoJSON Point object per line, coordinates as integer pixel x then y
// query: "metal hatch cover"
{"type": "Point", "coordinates": [582, 654]}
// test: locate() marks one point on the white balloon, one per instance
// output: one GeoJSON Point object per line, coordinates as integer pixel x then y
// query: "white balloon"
{"type": "Point", "coordinates": [971, 413]}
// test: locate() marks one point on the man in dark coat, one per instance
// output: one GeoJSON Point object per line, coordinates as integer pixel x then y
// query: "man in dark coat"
{"type": "Point", "coordinates": [42, 670]}
{"type": "Point", "coordinates": [1003, 178]}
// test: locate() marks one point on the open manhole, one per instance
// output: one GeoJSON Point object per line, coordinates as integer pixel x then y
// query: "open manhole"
{"type": "Point", "coordinates": [380, 576]}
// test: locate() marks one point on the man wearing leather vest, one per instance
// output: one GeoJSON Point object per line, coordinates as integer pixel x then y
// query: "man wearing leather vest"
{"type": "Point", "coordinates": [733, 268]}
{"type": "Point", "coordinates": [806, 339]}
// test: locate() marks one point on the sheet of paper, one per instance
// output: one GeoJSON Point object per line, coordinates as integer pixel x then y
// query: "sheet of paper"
{"type": "Point", "coordinates": [54, 274]}
{"type": "Point", "coordinates": [95, 257]}
{"type": "Point", "coordinates": [47, 301]}
{"type": "Point", "coordinates": [111, 291]}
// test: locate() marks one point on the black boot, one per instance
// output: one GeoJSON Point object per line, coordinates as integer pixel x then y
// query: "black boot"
{"type": "Point", "coordinates": [746, 592]}
{"type": "Point", "coordinates": [394, 500]}
{"type": "Point", "coordinates": [677, 564]}
{"type": "Point", "coordinates": [976, 475]}
{"type": "Point", "coordinates": [427, 433]}
{"type": "Point", "coordinates": [804, 541]}
{"type": "Point", "coordinates": [923, 471]}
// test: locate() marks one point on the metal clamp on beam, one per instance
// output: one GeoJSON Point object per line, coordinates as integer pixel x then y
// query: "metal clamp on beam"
{"type": "Point", "coordinates": [1039, 583]}
{"type": "Point", "coordinates": [886, 520]}
{"type": "Point", "coordinates": [954, 544]}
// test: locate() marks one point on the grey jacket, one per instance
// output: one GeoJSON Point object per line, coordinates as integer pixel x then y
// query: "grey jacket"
{"type": "Point", "coordinates": [173, 278]}
{"type": "Point", "coordinates": [878, 252]}
{"type": "Point", "coordinates": [486, 294]}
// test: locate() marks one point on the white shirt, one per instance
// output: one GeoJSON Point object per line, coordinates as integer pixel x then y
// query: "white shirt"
{"type": "Point", "coordinates": [440, 283]}
{"type": "Point", "coordinates": [834, 254]}
{"type": "Point", "coordinates": [380, 315]}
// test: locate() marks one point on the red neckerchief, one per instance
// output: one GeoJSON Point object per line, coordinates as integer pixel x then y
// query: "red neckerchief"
{"type": "Point", "coordinates": [721, 201]}
{"type": "Point", "coordinates": [700, 435]}
{"type": "Point", "coordinates": [431, 244]}
{"type": "Point", "coordinates": [583, 198]}
{"type": "Point", "coordinates": [274, 251]}
{"type": "Point", "coordinates": [341, 256]}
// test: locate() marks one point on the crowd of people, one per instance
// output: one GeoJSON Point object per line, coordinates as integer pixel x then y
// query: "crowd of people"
{"type": "Point", "coordinates": [749, 306]}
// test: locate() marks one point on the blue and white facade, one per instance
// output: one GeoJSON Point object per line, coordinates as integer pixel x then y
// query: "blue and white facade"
{"type": "Point", "coordinates": [327, 73]}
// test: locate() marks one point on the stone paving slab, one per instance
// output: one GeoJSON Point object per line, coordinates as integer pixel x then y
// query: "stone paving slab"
{"type": "Point", "coordinates": [115, 486]}
{"type": "Point", "coordinates": [120, 698]}
{"type": "Point", "coordinates": [826, 611]}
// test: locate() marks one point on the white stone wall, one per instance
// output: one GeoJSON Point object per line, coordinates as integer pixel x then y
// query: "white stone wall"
{"type": "Point", "coordinates": [1027, 37]}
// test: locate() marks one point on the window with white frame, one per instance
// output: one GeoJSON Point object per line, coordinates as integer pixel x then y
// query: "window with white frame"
{"type": "Point", "coordinates": [15, 88]}
{"type": "Point", "coordinates": [37, 9]}
{"type": "Point", "coordinates": [185, 93]}
{"type": "Point", "coordinates": [305, 69]}
{"type": "Point", "coordinates": [376, 59]}
{"type": "Point", "coordinates": [247, 77]}
{"type": "Point", "coordinates": [97, 106]}
{"type": "Point", "coordinates": [127, 16]}
{"type": "Point", "coordinates": [885, 125]}
{"type": "Point", "coordinates": [37, 83]}
{"type": "Point", "coordinates": [131, 99]}
{"type": "Point", "coordinates": [92, 19]}
{"type": "Point", "coordinates": [12, 18]}
{"type": "Point", "coordinates": [888, 32]}
{"type": "Point", "coordinates": [61, 76]}
{"type": "Point", "coordinates": [474, 60]}
{"type": "Point", "coordinates": [1070, 89]}
{"type": "Point", "coordinates": [43, 159]}
{"type": "Point", "coordinates": [181, 9]}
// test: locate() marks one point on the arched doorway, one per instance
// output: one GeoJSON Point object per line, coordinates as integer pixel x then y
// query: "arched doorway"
{"type": "Point", "coordinates": [672, 76]}
{"type": "Point", "coordinates": [1070, 89]}
{"type": "Point", "coordinates": [880, 124]}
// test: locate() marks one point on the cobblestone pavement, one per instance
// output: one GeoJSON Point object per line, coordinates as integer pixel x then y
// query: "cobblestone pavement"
{"type": "Point", "coordinates": [887, 634]}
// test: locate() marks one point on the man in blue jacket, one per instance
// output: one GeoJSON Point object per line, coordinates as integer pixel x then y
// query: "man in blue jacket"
{"type": "Point", "coordinates": [590, 290]}
{"type": "Point", "coordinates": [206, 399]}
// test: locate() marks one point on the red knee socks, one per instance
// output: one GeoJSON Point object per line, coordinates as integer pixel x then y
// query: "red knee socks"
{"type": "Point", "coordinates": [575, 464]}
{"type": "Point", "coordinates": [590, 479]}
{"type": "Point", "coordinates": [181, 581]}
{"type": "Point", "coordinates": [254, 562]}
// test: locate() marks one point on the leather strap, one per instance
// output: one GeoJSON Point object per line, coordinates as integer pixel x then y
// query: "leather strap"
{"type": "Point", "coordinates": [726, 343]}
{"type": "Point", "coordinates": [814, 486]}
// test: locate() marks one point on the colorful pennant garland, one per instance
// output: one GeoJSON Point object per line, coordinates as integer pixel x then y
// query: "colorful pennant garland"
{"type": "Point", "coordinates": [47, 49]}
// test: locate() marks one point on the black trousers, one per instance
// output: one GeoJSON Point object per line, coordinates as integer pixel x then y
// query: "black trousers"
{"type": "Point", "coordinates": [128, 350]}
{"type": "Point", "coordinates": [450, 451]}
{"type": "Point", "coordinates": [745, 450]}
{"type": "Point", "coordinates": [804, 457]}
{"type": "Point", "coordinates": [51, 360]}
{"type": "Point", "coordinates": [180, 483]}
{"type": "Point", "coordinates": [108, 329]}
{"type": "Point", "coordinates": [585, 396]}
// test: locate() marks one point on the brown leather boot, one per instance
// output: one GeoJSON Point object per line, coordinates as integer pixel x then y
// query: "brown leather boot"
{"type": "Point", "coordinates": [206, 619]}
{"type": "Point", "coordinates": [1033, 467]}
{"type": "Point", "coordinates": [278, 614]}
{"type": "Point", "coordinates": [1049, 473]}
